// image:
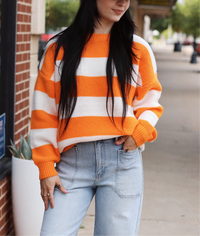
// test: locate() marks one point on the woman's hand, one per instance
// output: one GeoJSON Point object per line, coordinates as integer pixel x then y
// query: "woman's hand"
{"type": "Point", "coordinates": [47, 189]}
{"type": "Point", "coordinates": [129, 143]}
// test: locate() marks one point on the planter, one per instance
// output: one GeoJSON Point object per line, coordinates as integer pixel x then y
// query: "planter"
{"type": "Point", "coordinates": [28, 207]}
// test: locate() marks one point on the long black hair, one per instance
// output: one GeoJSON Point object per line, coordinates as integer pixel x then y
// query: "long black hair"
{"type": "Point", "coordinates": [73, 40]}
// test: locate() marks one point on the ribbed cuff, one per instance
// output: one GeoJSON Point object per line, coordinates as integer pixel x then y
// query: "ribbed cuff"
{"type": "Point", "coordinates": [144, 132]}
{"type": "Point", "coordinates": [47, 169]}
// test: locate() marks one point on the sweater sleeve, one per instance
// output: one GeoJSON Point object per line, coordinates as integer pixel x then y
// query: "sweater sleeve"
{"type": "Point", "coordinates": [44, 120]}
{"type": "Point", "coordinates": [145, 104]}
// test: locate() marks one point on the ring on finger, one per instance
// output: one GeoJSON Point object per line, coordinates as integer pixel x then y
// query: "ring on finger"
{"type": "Point", "coordinates": [49, 194]}
{"type": "Point", "coordinates": [126, 150]}
{"type": "Point", "coordinates": [44, 195]}
{"type": "Point", "coordinates": [60, 185]}
{"type": "Point", "coordinates": [123, 140]}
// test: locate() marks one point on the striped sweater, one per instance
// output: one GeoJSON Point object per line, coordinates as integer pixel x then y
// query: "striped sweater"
{"type": "Point", "coordinates": [90, 119]}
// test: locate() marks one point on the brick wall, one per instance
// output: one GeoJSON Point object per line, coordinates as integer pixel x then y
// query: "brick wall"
{"type": "Point", "coordinates": [6, 219]}
{"type": "Point", "coordinates": [22, 68]}
{"type": "Point", "coordinates": [23, 45]}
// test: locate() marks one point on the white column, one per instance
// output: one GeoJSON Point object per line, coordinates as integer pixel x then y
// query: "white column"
{"type": "Point", "coordinates": [37, 28]}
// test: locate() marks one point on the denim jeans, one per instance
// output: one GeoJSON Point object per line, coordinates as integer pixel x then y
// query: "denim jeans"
{"type": "Point", "coordinates": [103, 169]}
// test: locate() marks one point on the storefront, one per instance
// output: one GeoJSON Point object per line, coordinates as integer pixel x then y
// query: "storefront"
{"type": "Point", "coordinates": [15, 41]}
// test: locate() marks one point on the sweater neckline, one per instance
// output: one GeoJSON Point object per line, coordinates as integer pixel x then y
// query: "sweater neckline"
{"type": "Point", "coordinates": [100, 37]}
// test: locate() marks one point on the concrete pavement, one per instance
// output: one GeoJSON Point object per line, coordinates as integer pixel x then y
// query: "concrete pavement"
{"type": "Point", "coordinates": [171, 163]}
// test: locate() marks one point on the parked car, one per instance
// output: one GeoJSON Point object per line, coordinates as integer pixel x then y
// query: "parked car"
{"type": "Point", "coordinates": [187, 42]}
{"type": "Point", "coordinates": [198, 49]}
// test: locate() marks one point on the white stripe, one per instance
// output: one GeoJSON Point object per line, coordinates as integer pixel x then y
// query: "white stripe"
{"type": "Point", "coordinates": [41, 101]}
{"type": "Point", "coordinates": [150, 100]}
{"type": "Point", "coordinates": [57, 72]}
{"type": "Point", "coordinates": [149, 116]}
{"type": "Point", "coordinates": [138, 39]}
{"type": "Point", "coordinates": [96, 106]}
{"type": "Point", "coordinates": [68, 142]}
{"type": "Point", "coordinates": [94, 67]}
{"type": "Point", "coordinates": [46, 47]}
{"type": "Point", "coordinates": [40, 137]}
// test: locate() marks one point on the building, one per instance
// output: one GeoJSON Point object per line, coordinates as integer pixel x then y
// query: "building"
{"type": "Point", "coordinates": [21, 23]}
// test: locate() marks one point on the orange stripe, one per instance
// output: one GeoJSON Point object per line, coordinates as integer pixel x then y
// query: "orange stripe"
{"type": "Point", "coordinates": [42, 120]}
{"type": "Point", "coordinates": [91, 49]}
{"type": "Point", "coordinates": [142, 91]}
{"type": "Point", "coordinates": [92, 126]}
{"type": "Point", "coordinates": [45, 85]}
{"type": "Point", "coordinates": [157, 110]}
{"type": "Point", "coordinates": [96, 87]}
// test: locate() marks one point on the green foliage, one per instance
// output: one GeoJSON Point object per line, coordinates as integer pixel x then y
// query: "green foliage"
{"type": "Point", "coordinates": [186, 17]}
{"type": "Point", "coordinates": [159, 24]}
{"type": "Point", "coordinates": [60, 13]}
{"type": "Point", "coordinates": [24, 151]}
{"type": "Point", "coordinates": [191, 24]}
{"type": "Point", "coordinates": [177, 18]}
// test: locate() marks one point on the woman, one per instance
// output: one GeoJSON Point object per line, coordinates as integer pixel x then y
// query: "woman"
{"type": "Point", "coordinates": [95, 105]}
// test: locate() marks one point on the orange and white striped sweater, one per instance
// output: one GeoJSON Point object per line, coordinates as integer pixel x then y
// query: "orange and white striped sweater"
{"type": "Point", "coordinates": [90, 120]}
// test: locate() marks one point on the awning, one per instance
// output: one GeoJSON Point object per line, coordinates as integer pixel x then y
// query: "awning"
{"type": "Point", "coordinates": [156, 8]}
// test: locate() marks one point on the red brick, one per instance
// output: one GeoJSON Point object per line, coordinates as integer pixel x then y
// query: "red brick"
{"type": "Point", "coordinates": [17, 117]}
{"type": "Point", "coordinates": [23, 28]}
{"type": "Point", "coordinates": [17, 136]}
{"type": "Point", "coordinates": [18, 48]}
{"type": "Point", "coordinates": [26, 85]}
{"type": "Point", "coordinates": [28, 10]}
{"type": "Point", "coordinates": [28, 28]}
{"type": "Point", "coordinates": [24, 95]}
{"type": "Point", "coordinates": [19, 57]}
{"type": "Point", "coordinates": [26, 103]}
{"type": "Point", "coordinates": [22, 47]}
{"type": "Point", "coordinates": [2, 201]}
{"type": "Point", "coordinates": [28, 47]}
{"type": "Point", "coordinates": [21, 105]}
{"type": "Point", "coordinates": [23, 8]}
{"type": "Point", "coordinates": [25, 76]}
{"type": "Point", "coordinates": [26, 18]}
{"type": "Point", "coordinates": [18, 7]}
{"type": "Point", "coordinates": [19, 38]}
{"type": "Point", "coordinates": [2, 222]}
{"type": "Point", "coordinates": [2, 182]}
{"type": "Point", "coordinates": [20, 125]}
{"type": "Point", "coordinates": [19, 17]}
{"type": "Point", "coordinates": [18, 97]}
{"type": "Point", "coordinates": [18, 27]}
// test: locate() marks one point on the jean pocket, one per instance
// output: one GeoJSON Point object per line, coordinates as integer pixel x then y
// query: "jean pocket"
{"type": "Point", "coordinates": [129, 174]}
{"type": "Point", "coordinates": [67, 167]}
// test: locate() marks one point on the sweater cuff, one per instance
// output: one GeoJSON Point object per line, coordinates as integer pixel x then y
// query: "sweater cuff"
{"type": "Point", "coordinates": [144, 132]}
{"type": "Point", "coordinates": [46, 170]}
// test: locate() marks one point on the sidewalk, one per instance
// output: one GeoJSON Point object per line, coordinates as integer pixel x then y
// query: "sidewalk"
{"type": "Point", "coordinates": [171, 163]}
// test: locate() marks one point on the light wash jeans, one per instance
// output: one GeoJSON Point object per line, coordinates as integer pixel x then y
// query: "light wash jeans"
{"type": "Point", "coordinates": [103, 169]}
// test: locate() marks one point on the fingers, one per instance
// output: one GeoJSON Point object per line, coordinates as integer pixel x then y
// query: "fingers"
{"type": "Point", "coordinates": [129, 143]}
{"type": "Point", "coordinates": [47, 196]}
{"type": "Point", "coordinates": [61, 188]}
{"type": "Point", "coordinates": [47, 190]}
{"type": "Point", "coordinates": [121, 140]}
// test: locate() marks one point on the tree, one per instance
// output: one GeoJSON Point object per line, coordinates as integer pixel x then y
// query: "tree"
{"type": "Point", "coordinates": [185, 17]}
{"type": "Point", "coordinates": [159, 24]}
{"type": "Point", "coordinates": [177, 18]}
{"type": "Point", "coordinates": [60, 13]}
{"type": "Point", "coordinates": [191, 10]}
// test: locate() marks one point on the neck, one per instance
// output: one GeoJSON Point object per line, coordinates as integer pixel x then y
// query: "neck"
{"type": "Point", "coordinates": [103, 27]}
